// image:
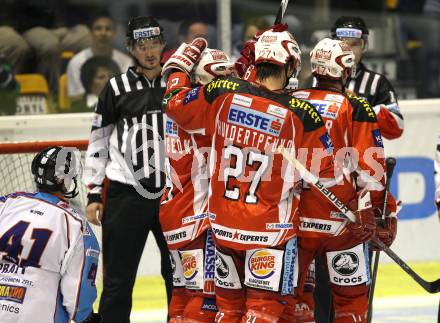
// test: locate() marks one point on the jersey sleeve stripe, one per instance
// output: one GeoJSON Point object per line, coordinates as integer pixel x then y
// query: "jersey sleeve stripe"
{"type": "Point", "coordinates": [78, 294]}
{"type": "Point", "coordinates": [126, 83]}
{"type": "Point", "coordinates": [364, 82]}
{"type": "Point", "coordinates": [374, 84]}
{"type": "Point", "coordinates": [115, 86]}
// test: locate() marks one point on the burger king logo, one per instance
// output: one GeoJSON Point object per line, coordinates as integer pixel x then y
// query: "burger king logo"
{"type": "Point", "coordinates": [262, 264]}
{"type": "Point", "coordinates": [189, 265]}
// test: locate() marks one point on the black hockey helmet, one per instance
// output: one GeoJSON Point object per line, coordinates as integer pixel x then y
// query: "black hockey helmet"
{"type": "Point", "coordinates": [56, 169]}
{"type": "Point", "coordinates": [349, 27]}
{"type": "Point", "coordinates": [141, 28]}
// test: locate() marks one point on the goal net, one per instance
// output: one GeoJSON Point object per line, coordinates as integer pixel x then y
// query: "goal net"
{"type": "Point", "coordinates": [15, 166]}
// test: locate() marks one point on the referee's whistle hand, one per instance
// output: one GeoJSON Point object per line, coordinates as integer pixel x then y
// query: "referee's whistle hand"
{"type": "Point", "coordinates": [94, 213]}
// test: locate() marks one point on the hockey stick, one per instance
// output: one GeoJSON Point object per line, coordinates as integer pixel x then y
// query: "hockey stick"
{"type": "Point", "coordinates": [430, 287]}
{"type": "Point", "coordinates": [281, 11]}
{"type": "Point", "coordinates": [390, 162]}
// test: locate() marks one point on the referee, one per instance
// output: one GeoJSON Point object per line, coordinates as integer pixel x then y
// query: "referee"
{"type": "Point", "coordinates": [126, 147]}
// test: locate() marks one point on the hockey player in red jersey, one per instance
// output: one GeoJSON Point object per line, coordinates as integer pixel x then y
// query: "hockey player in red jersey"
{"type": "Point", "coordinates": [183, 212]}
{"type": "Point", "coordinates": [252, 201]}
{"type": "Point", "coordinates": [366, 83]}
{"type": "Point", "coordinates": [353, 128]}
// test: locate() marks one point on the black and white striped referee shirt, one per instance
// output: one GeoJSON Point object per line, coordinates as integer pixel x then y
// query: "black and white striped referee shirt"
{"type": "Point", "coordinates": [126, 142]}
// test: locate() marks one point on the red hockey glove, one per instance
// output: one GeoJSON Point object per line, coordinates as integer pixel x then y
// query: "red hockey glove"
{"type": "Point", "coordinates": [185, 57]}
{"type": "Point", "coordinates": [386, 231]}
{"type": "Point", "coordinates": [365, 225]}
{"type": "Point", "coordinates": [247, 58]}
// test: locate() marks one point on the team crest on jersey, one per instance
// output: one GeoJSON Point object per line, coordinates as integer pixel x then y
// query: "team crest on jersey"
{"type": "Point", "coordinates": [12, 293]}
{"type": "Point", "coordinates": [377, 138]}
{"type": "Point", "coordinates": [256, 120]}
{"type": "Point", "coordinates": [328, 110]}
{"type": "Point", "coordinates": [191, 95]}
{"type": "Point", "coordinates": [171, 128]}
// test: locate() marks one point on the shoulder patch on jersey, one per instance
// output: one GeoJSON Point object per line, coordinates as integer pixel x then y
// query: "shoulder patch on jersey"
{"type": "Point", "coordinates": [362, 111]}
{"type": "Point", "coordinates": [307, 113]}
{"type": "Point", "coordinates": [191, 95]}
{"type": "Point", "coordinates": [221, 86]}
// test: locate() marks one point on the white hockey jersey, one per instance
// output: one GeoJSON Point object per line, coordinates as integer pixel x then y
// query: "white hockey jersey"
{"type": "Point", "coordinates": [48, 260]}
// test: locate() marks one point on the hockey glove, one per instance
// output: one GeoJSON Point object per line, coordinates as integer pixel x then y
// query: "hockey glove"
{"type": "Point", "coordinates": [386, 231]}
{"type": "Point", "coordinates": [93, 318]}
{"type": "Point", "coordinates": [365, 226]}
{"type": "Point", "coordinates": [185, 57]}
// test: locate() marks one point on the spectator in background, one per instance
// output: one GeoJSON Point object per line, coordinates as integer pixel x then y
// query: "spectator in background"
{"type": "Point", "coordinates": [34, 31]}
{"type": "Point", "coordinates": [103, 34]}
{"type": "Point", "coordinates": [9, 88]}
{"type": "Point", "coordinates": [250, 28]}
{"type": "Point", "coordinates": [129, 118]}
{"type": "Point", "coordinates": [95, 73]}
{"type": "Point", "coordinates": [188, 31]}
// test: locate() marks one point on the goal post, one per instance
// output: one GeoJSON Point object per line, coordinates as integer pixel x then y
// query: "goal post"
{"type": "Point", "coordinates": [15, 165]}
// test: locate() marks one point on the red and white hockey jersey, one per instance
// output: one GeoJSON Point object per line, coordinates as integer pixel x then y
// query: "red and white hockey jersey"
{"type": "Point", "coordinates": [183, 212]}
{"type": "Point", "coordinates": [252, 200]}
{"type": "Point", "coordinates": [353, 128]}
{"type": "Point", "coordinates": [48, 260]}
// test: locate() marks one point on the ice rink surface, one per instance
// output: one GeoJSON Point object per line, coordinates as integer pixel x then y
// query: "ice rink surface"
{"type": "Point", "coordinates": [408, 309]}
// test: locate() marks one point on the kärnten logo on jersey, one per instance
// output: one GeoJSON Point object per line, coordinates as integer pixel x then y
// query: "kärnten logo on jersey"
{"type": "Point", "coordinates": [262, 264]}
{"type": "Point", "coordinates": [346, 263]}
{"type": "Point", "coordinates": [221, 266]}
{"type": "Point", "coordinates": [189, 265]}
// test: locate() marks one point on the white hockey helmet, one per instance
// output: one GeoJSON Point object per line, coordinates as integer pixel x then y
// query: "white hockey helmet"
{"type": "Point", "coordinates": [213, 63]}
{"type": "Point", "coordinates": [330, 58]}
{"type": "Point", "coordinates": [278, 48]}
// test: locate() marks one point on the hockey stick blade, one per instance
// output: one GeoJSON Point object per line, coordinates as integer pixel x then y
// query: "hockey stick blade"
{"type": "Point", "coordinates": [430, 287]}
{"type": "Point", "coordinates": [281, 11]}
